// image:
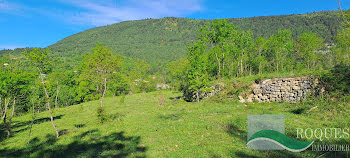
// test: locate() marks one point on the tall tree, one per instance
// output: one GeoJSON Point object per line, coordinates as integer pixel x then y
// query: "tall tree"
{"type": "Point", "coordinates": [260, 58]}
{"type": "Point", "coordinates": [343, 46]}
{"type": "Point", "coordinates": [40, 59]}
{"type": "Point", "coordinates": [176, 72]}
{"type": "Point", "coordinates": [243, 42]}
{"type": "Point", "coordinates": [98, 67]}
{"type": "Point", "coordinates": [215, 35]}
{"type": "Point", "coordinates": [280, 45]}
{"type": "Point", "coordinates": [307, 45]}
{"type": "Point", "coordinates": [196, 77]}
{"type": "Point", "coordinates": [343, 39]}
{"type": "Point", "coordinates": [345, 15]}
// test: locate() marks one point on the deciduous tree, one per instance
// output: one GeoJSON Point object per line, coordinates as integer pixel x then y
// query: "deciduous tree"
{"type": "Point", "coordinates": [196, 77]}
{"type": "Point", "coordinates": [307, 45]}
{"type": "Point", "coordinates": [40, 59]}
{"type": "Point", "coordinates": [280, 45]}
{"type": "Point", "coordinates": [98, 67]}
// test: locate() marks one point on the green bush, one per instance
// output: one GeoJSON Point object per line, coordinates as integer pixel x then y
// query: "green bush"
{"type": "Point", "coordinates": [144, 86]}
{"type": "Point", "coordinates": [101, 114]}
{"type": "Point", "coordinates": [231, 90]}
{"type": "Point", "coordinates": [118, 85]}
{"type": "Point", "coordinates": [337, 81]}
{"type": "Point", "coordinates": [122, 99]}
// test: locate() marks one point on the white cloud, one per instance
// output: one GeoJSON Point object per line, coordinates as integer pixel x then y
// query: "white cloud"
{"type": "Point", "coordinates": [10, 47]}
{"type": "Point", "coordinates": [12, 8]}
{"type": "Point", "coordinates": [105, 12]}
{"type": "Point", "coordinates": [6, 6]}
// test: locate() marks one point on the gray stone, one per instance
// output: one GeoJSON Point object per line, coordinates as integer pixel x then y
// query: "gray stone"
{"type": "Point", "coordinates": [281, 89]}
{"type": "Point", "coordinates": [249, 100]}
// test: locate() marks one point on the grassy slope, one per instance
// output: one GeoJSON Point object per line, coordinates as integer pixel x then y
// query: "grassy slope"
{"type": "Point", "coordinates": [140, 127]}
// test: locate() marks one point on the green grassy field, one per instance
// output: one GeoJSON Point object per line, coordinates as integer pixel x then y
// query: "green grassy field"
{"type": "Point", "coordinates": [141, 127]}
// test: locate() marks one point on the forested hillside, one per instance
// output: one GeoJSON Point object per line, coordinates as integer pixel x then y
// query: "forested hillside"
{"type": "Point", "coordinates": [157, 40]}
{"type": "Point", "coordinates": [160, 40]}
{"type": "Point", "coordinates": [325, 24]}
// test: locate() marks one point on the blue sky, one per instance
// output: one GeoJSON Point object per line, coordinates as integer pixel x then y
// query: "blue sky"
{"type": "Point", "coordinates": [40, 23]}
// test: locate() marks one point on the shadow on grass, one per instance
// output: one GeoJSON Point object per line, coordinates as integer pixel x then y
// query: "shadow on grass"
{"type": "Point", "coordinates": [235, 131]}
{"type": "Point", "coordinates": [298, 111]}
{"type": "Point", "coordinates": [116, 116]}
{"type": "Point", "coordinates": [172, 117]}
{"type": "Point", "coordinates": [79, 125]}
{"type": "Point", "coordinates": [3, 133]}
{"type": "Point", "coordinates": [176, 115]}
{"type": "Point", "coordinates": [87, 144]}
{"type": "Point", "coordinates": [175, 98]}
{"type": "Point", "coordinates": [18, 126]}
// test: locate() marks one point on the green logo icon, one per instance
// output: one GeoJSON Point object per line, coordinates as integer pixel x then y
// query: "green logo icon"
{"type": "Point", "coordinates": [266, 132]}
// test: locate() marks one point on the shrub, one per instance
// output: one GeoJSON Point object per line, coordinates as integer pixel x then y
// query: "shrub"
{"type": "Point", "coordinates": [337, 81]}
{"type": "Point", "coordinates": [101, 114]}
{"type": "Point", "coordinates": [122, 99]}
{"type": "Point", "coordinates": [231, 90]}
{"type": "Point", "coordinates": [144, 86]}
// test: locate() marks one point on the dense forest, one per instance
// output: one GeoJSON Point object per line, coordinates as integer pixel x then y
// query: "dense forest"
{"type": "Point", "coordinates": [158, 41]}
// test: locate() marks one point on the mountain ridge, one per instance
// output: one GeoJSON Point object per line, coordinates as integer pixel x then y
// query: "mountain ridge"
{"type": "Point", "coordinates": [161, 40]}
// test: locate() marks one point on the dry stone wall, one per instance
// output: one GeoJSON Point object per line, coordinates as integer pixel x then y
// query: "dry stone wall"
{"type": "Point", "coordinates": [282, 89]}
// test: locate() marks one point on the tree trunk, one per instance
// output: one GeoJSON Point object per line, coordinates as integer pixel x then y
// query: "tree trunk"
{"type": "Point", "coordinates": [250, 70]}
{"type": "Point", "coordinates": [242, 65]}
{"type": "Point", "coordinates": [10, 120]}
{"type": "Point", "coordinates": [48, 106]}
{"type": "Point", "coordinates": [277, 61]}
{"type": "Point", "coordinates": [31, 124]}
{"type": "Point", "coordinates": [340, 8]}
{"type": "Point", "coordinates": [219, 65]}
{"type": "Point", "coordinates": [103, 93]}
{"type": "Point", "coordinates": [5, 110]}
{"type": "Point", "coordinates": [232, 71]}
{"type": "Point", "coordinates": [7, 127]}
{"type": "Point", "coordinates": [197, 94]}
{"type": "Point", "coordinates": [260, 68]}
{"type": "Point", "coordinates": [223, 58]}
{"type": "Point", "coordinates": [0, 106]}
{"type": "Point", "coordinates": [4, 116]}
{"type": "Point", "coordinates": [237, 68]}
{"type": "Point", "coordinates": [57, 91]}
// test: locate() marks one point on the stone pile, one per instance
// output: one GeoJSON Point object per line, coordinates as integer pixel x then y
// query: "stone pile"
{"type": "Point", "coordinates": [215, 89]}
{"type": "Point", "coordinates": [212, 90]}
{"type": "Point", "coordinates": [162, 86]}
{"type": "Point", "coordinates": [281, 89]}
